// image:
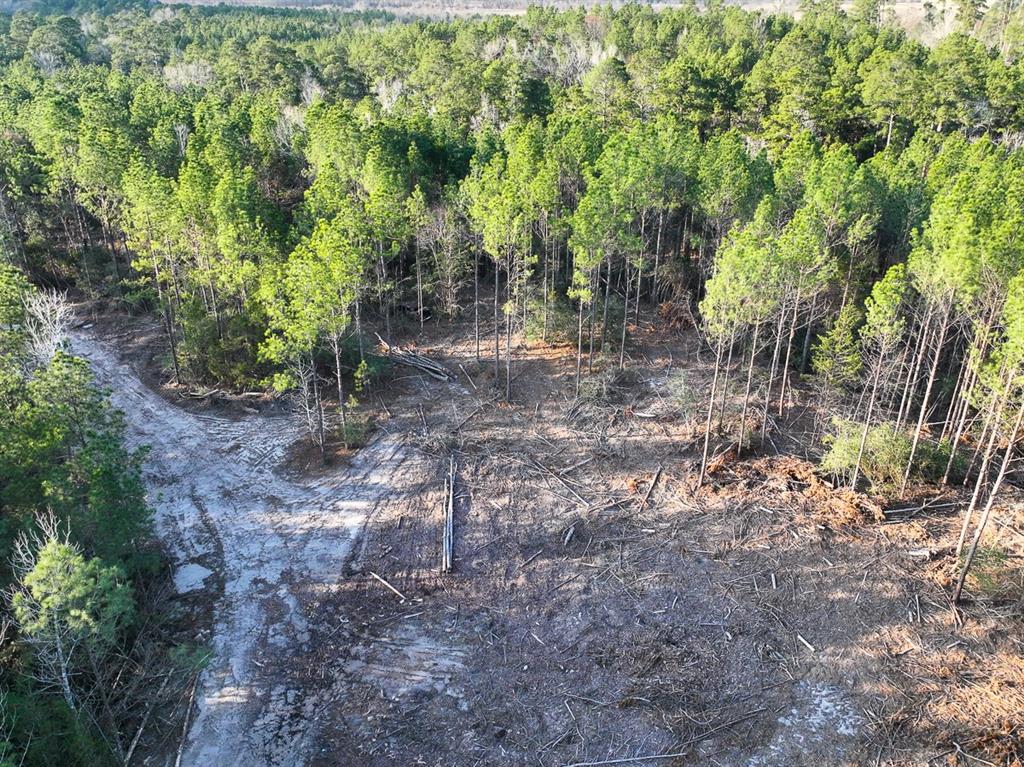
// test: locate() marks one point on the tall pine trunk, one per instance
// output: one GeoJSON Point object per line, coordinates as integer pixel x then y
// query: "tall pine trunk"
{"type": "Point", "coordinates": [579, 345]}
{"type": "Point", "coordinates": [1007, 458]}
{"type": "Point", "coordinates": [924, 404]}
{"type": "Point", "coordinates": [336, 348]}
{"type": "Point", "coordinates": [746, 391]}
{"type": "Point", "coordinates": [497, 326]}
{"type": "Point", "coordinates": [508, 336]}
{"type": "Point", "coordinates": [707, 421]}
{"type": "Point", "coordinates": [725, 380]}
{"type": "Point", "coordinates": [867, 421]}
{"type": "Point", "coordinates": [789, 349]}
{"type": "Point", "coordinates": [625, 318]}
{"type": "Point", "coordinates": [476, 302]}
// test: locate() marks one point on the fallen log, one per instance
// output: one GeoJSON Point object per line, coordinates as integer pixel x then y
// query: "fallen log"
{"type": "Point", "coordinates": [448, 529]}
{"type": "Point", "coordinates": [416, 361]}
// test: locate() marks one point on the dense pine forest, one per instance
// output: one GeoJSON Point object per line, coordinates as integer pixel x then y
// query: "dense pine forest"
{"type": "Point", "coordinates": [827, 204]}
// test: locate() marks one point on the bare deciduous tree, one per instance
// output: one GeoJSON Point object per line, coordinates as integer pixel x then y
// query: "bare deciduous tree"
{"type": "Point", "coordinates": [48, 317]}
{"type": "Point", "coordinates": [307, 397]}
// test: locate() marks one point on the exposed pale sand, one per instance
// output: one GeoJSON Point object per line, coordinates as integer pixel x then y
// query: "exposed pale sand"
{"type": "Point", "coordinates": [221, 503]}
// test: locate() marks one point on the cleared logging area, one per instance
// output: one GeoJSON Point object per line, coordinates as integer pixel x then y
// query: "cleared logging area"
{"type": "Point", "coordinates": [601, 609]}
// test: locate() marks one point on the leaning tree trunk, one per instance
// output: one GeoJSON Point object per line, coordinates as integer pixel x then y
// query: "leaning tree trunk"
{"type": "Point", "coordinates": [867, 421]}
{"type": "Point", "coordinates": [746, 391]}
{"type": "Point", "coordinates": [1007, 458]}
{"type": "Point", "coordinates": [961, 419]}
{"type": "Point", "coordinates": [995, 415]}
{"type": "Point", "coordinates": [911, 382]}
{"type": "Point", "coordinates": [960, 415]}
{"type": "Point", "coordinates": [789, 349]}
{"type": "Point", "coordinates": [771, 374]}
{"type": "Point", "coordinates": [707, 422]}
{"type": "Point", "coordinates": [924, 404]}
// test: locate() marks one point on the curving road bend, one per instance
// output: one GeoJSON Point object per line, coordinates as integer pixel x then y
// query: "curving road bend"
{"type": "Point", "coordinates": [225, 512]}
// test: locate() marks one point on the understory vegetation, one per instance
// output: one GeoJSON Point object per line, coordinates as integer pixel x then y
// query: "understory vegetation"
{"type": "Point", "coordinates": [77, 561]}
{"type": "Point", "coordinates": [833, 207]}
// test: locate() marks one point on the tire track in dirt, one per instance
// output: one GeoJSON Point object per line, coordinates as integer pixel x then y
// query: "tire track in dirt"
{"type": "Point", "coordinates": [274, 541]}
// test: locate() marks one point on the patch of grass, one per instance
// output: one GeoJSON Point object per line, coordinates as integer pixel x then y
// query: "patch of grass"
{"type": "Point", "coordinates": [190, 657]}
{"type": "Point", "coordinates": [994, 575]}
{"type": "Point", "coordinates": [688, 398]}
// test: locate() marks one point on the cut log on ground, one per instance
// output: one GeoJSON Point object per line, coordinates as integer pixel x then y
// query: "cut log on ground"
{"type": "Point", "coordinates": [448, 531]}
{"type": "Point", "coordinates": [416, 361]}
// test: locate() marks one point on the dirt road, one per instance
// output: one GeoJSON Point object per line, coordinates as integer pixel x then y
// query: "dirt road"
{"type": "Point", "coordinates": [230, 518]}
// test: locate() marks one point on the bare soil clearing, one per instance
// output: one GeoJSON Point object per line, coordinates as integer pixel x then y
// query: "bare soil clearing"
{"type": "Point", "coordinates": [271, 543]}
{"type": "Point", "coordinates": [765, 619]}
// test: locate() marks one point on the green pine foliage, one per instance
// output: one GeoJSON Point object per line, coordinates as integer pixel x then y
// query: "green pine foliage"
{"type": "Point", "coordinates": [275, 186]}
{"type": "Point", "coordinates": [837, 357]}
{"type": "Point", "coordinates": [62, 458]}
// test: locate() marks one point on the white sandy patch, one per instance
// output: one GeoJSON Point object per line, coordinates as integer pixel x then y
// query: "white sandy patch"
{"type": "Point", "coordinates": [823, 721]}
{"type": "Point", "coordinates": [219, 500]}
{"type": "Point", "coordinates": [190, 577]}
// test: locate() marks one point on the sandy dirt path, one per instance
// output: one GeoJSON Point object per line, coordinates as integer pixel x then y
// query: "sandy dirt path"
{"type": "Point", "coordinates": [223, 506]}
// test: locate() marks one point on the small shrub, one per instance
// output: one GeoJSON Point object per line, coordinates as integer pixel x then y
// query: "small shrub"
{"type": "Point", "coordinates": [993, 574]}
{"type": "Point", "coordinates": [612, 386]}
{"type": "Point", "coordinates": [688, 398]}
{"type": "Point", "coordinates": [562, 320]}
{"type": "Point", "coordinates": [189, 657]}
{"type": "Point", "coordinates": [357, 429]}
{"type": "Point", "coordinates": [886, 453]}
